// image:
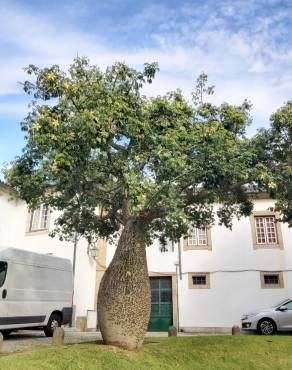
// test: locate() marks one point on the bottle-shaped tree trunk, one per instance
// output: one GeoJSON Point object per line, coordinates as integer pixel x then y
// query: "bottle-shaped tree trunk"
{"type": "Point", "coordinates": [124, 295]}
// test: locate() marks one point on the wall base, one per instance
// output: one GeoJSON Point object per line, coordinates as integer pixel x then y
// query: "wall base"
{"type": "Point", "coordinates": [206, 330]}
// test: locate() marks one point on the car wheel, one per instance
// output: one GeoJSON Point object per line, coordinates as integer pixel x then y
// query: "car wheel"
{"type": "Point", "coordinates": [54, 322]}
{"type": "Point", "coordinates": [266, 327]}
{"type": "Point", "coordinates": [6, 333]}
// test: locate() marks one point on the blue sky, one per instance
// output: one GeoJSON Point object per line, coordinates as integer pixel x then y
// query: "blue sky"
{"type": "Point", "coordinates": [245, 46]}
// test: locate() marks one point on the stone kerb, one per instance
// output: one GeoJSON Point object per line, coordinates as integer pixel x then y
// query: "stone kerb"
{"type": "Point", "coordinates": [62, 336]}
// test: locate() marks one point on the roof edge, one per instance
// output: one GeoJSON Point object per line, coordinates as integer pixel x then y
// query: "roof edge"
{"type": "Point", "coordinates": [7, 188]}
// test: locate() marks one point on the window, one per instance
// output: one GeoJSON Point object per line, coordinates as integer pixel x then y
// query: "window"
{"type": "Point", "coordinates": [199, 280]}
{"type": "Point", "coordinates": [39, 219]}
{"type": "Point", "coordinates": [289, 305]}
{"type": "Point", "coordinates": [3, 271]}
{"type": "Point", "coordinates": [198, 239]}
{"type": "Point", "coordinates": [272, 280]}
{"type": "Point", "coordinates": [266, 231]}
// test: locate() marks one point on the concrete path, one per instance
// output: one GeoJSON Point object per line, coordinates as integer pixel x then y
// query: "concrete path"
{"type": "Point", "coordinates": [26, 339]}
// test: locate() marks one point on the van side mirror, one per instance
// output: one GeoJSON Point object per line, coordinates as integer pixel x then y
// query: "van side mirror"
{"type": "Point", "coordinates": [283, 308]}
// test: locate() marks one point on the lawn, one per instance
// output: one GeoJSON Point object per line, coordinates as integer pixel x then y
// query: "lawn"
{"type": "Point", "coordinates": [213, 352]}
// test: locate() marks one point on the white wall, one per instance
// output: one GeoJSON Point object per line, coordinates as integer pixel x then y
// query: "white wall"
{"type": "Point", "coordinates": [13, 221]}
{"type": "Point", "coordinates": [9, 210]}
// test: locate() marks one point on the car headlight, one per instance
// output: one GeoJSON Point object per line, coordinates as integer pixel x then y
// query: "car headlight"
{"type": "Point", "coordinates": [246, 317]}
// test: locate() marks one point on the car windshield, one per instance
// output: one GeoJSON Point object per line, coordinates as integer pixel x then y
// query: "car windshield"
{"type": "Point", "coordinates": [281, 303]}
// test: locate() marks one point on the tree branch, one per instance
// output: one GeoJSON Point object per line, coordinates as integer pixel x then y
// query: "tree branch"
{"type": "Point", "coordinates": [117, 146]}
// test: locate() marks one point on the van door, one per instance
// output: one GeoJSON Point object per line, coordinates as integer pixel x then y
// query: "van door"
{"type": "Point", "coordinates": [26, 302]}
{"type": "Point", "coordinates": [3, 293]}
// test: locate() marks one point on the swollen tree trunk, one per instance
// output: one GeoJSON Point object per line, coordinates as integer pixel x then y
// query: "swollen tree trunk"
{"type": "Point", "coordinates": [124, 294]}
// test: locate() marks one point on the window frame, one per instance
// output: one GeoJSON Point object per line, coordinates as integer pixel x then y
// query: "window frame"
{"type": "Point", "coordinates": [39, 230]}
{"type": "Point", "coordinates": [279, 244]}
{"type": "Point", "coordinates": [264, 285]}
{"type": "Point", "coordinates": [199, 286]}
{"type": "Point", "coordinates": [208, 246]}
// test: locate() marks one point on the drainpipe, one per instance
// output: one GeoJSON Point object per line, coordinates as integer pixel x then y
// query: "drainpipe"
{"type": "Point", "coordinates": [177, 305]}
{"type": "Point", "coordinates": [74, 254]}
{"type": "Point", "coordinates": [178, 270]}
{"type": "Point", "coordinates": [74, 268]}
{"type": "Point", "coordinates": [179, 259]}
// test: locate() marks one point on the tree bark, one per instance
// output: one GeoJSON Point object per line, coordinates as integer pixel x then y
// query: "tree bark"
{"type": "Point", "coordinates": [124, 295]}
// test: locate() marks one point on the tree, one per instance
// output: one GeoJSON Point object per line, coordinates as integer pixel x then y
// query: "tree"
{"type": "Point", "coordinates": [153, 166]}
{"type": "Point", "coordinates": [274, 147]}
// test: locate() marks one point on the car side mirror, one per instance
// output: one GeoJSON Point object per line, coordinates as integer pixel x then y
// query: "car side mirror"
{"type": "Point", "coordinates": [283, 308]}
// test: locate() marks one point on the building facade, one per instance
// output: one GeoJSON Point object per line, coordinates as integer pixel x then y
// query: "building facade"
{"type": "Point", "coordinates": [205, 282]}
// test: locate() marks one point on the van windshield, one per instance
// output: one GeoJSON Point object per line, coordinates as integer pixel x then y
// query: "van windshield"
{"type": "Point", "coordinates": [3, 270]}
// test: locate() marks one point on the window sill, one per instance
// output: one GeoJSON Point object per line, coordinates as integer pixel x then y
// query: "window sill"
{"type": "Point", "coordinates": [272, 287]}
{"type": "Point", "coordinates": [197, 247]}
{"type": "Point", "coordinates": [37, 232]}
{"type": "Point", "coordinates": [268, 246]}
{"type": "Point", "coordinates": [199, 287]}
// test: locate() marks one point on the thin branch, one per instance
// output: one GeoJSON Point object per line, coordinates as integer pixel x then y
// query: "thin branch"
{"type": "Point", "coordinates": [117, 146]}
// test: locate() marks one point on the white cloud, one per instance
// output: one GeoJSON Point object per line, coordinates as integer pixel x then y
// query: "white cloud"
{"type": "Point", "coordinates": [258, 67]}
{"type": "Point", "coordinates": [243, 63]}
{"type": "Point", "coordinates": [228, 10]}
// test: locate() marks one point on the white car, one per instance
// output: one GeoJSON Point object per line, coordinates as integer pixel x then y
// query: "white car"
{"type": "Point", "coordinates": [269, 321]}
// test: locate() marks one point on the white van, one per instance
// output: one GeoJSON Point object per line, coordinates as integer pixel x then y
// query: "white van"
{"type": "Point", "coordinates": [36, 291]}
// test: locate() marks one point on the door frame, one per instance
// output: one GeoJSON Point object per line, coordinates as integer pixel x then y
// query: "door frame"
{"type": "Point", "coordinates": [174, 291]}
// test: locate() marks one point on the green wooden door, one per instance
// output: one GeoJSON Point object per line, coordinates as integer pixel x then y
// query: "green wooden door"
{"type": "Point", "coordinates": [161, 304]}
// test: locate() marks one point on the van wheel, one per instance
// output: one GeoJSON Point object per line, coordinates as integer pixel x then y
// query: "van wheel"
{"type": "Point", "coordinates": [54, 322]}
{"type": "Point", "coordinates": [267, 327]}
{"type": "Point", "coordinates": [6, 333]}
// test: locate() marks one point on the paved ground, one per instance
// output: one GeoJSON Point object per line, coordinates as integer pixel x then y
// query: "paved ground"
{"type": "Point", "coordinates": [21, 340]}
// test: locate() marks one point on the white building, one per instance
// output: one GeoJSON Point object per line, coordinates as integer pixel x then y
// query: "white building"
{"type": "Point", "coordinates": [207, 281]}
{"type": "Point", "coordinates": [21, 229]}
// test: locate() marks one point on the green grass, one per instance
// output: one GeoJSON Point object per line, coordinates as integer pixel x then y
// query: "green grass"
{"type": "Point", "coordinates": [222, 352]}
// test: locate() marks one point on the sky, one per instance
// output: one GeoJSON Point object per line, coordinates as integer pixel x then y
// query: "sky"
{"type": "Point", "coordinates": [245, 47]}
